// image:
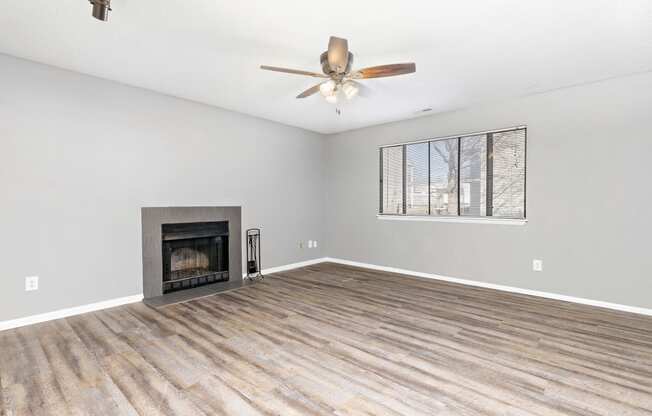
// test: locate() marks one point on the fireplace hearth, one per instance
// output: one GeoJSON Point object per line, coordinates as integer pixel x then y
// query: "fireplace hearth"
{"type": "Point", "coordinates": [194, 254]}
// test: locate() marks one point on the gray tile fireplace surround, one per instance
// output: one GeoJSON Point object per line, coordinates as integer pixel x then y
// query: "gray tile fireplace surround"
{"type": "Point", "coordinates": [152, 220]}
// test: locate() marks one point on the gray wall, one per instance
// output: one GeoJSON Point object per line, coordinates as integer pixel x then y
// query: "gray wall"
{"type": "Point", "coordinates": [80, 156]}
{"type": "Point", "coordinates": [588, 191]}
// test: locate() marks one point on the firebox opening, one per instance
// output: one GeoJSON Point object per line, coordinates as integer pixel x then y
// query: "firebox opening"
{"type": "Point", "coordinates": [194, 254]}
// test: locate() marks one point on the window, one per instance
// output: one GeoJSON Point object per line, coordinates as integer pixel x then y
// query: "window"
{"type": "Point", "coordinates": [416, 179]}
{"type": "Point", "coordinates": [479, 175]}
{"type": "Point", "coordinates": [392, 180]}
{"type": "Point", "coordinates": [443, 177]}
{"type": "Point", "coordinates": [508, 184]}
{"type": "Point", "coordinates": [473, 176]}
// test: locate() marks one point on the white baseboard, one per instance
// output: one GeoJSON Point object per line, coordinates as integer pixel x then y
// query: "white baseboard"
{"type": "Point", "coordinates": [583, 301]}
{"type": "Point", "coordinates": [290, 266]}
{"type": "Point", "coordinates": [77, 310]}
{"type": "Point", "coordinates": [64, 313]}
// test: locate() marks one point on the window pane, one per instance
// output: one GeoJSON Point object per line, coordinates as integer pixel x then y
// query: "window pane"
{"type": "Point", "coordinates": [443, 177]}
{"type": "Point", "coordinates": [416, 179]}
{"type": "Point", "coordinates": [392, 176]}
{"type": "Point", "coordinates": [473, 178]}
{"type": "Point", "coordinates": [509, 174]}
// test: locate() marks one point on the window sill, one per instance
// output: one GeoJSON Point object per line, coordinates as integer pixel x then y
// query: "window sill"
{"type": "Point", "coordinates": [467, 220]}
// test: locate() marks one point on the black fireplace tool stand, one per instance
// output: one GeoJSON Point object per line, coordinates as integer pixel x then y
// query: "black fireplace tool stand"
{"type": "Point", "coordinates": [253, 254]}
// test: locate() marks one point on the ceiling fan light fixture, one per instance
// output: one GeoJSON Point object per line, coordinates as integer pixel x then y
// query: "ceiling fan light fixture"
{"type": "Point", "coordinates": [101, 9]}
{"type": "Point", "coordinates": [332, 99]}
{"type": "Point", "coordinates": [350, 89]}
{"type": "Point", "coordinates": [327, 88]}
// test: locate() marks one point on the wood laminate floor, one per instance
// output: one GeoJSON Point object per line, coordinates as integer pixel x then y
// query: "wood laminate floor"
{"type": "Point", "coordinates": [334, 340]}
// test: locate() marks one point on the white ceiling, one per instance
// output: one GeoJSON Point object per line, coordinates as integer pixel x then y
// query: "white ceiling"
{"type": "Point", "coordinates": [209, 50]}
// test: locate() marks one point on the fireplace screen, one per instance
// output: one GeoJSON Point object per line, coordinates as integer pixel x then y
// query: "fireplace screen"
{"type": "Point", "coordinates": [194, 254]}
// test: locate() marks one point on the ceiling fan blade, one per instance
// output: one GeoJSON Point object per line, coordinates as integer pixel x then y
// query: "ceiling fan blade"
{"type": "Point", "coordinates": [338, 54]}
{"type": "Point", "coordinates": [385, 71]}
{"type": "Point", "coordinates": [292, 71]}
{"type": "Point", "coordinates": [310, 91]}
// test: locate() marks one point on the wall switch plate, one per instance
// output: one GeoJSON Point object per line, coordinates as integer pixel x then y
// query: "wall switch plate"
{"type": "Point", "coordinates": [314, 244]}
{"type": "Point", "coordinates": [31, 283]}
{"type": "Point", "coordinates": [537, 265]}
{"type": "Point", "coordinates": [309, 243]}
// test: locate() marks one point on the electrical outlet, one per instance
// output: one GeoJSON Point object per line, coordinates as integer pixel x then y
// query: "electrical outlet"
{"type": "Point", "coordinates": [309, 243]}
{"type": "Point", "coordinates": [314, 244]}
{"type": "Point", "coordinates": [537, 265]}
{"type": "Point", "coordinates": [31, 283]}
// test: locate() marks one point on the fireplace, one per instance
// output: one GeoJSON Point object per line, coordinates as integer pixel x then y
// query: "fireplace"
{"type": "Point", "coordinates": [194, 248]}
{"type": "Point", "coordinates": [194, 254]}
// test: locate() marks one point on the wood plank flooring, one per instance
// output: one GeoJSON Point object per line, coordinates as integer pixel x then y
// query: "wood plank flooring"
{"type": "Point", "coordinates": [334, 340]}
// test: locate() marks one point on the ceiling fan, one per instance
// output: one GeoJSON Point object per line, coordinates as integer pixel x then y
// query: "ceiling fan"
{"type": "Point", "coordinates": [341, 80]}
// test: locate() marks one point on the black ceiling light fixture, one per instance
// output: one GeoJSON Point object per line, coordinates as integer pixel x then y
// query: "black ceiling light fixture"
{"type": "Point", "coordinates": [101, 9]}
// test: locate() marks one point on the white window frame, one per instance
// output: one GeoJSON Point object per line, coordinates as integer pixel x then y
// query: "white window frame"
{"type": "Point", "coordinates": [450, 218]}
